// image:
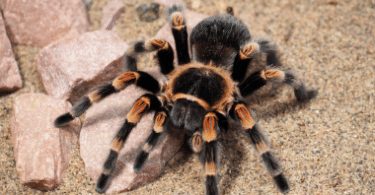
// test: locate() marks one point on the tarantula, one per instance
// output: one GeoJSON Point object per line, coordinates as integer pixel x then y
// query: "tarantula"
{"type": "Point", "coordinates": [200, 95]}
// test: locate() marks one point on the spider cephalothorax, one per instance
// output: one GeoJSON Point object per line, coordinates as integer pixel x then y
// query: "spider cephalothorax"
{"type": "Point", "coordinates": [210, 84]}
{"type": "Point", "coordinates": [200, 95]}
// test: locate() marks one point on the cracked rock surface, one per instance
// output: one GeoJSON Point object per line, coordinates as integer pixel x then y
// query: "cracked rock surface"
{"type": "Point", "coordinates": [42, 151]}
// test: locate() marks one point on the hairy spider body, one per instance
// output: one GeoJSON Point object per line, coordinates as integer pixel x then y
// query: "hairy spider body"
{"type": "Point", "coordinates": [200, 95]}
{"type": "Point", "coordinates": [218, 39]}
{"type": "Point", "coordinates": [195, 89]}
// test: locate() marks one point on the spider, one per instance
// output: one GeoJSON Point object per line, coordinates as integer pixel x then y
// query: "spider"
{"type": "Point", "coordinates": [201, 93]}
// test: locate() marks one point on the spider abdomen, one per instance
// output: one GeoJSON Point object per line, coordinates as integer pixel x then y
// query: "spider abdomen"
{"type": "Point", "coordinates": [218, 39]}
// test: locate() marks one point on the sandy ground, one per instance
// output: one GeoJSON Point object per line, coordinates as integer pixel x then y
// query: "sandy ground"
{"type": "Point", "coordinates": [325, 147]}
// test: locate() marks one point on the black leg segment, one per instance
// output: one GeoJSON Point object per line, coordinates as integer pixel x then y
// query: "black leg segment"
{"type": "Point", "coordinates": [143, 105]}
{"type": "Point", "coordinates": [180, 34]}
{"type": "Point", "coordinates": [241, 113]}
{"type": "Point", "coordinates": [164, 54]}
{"type": "Point", "coordinates": [160, 118]}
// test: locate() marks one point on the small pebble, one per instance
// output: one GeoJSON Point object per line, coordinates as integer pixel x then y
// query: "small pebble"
{"type": "Point", "coordinates": [87, 3]}
{"type": "Point", "coordinates": [147, 12]}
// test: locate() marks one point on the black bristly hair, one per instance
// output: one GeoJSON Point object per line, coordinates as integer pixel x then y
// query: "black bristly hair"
{"type": "Point", "coordinates": [201, 94]}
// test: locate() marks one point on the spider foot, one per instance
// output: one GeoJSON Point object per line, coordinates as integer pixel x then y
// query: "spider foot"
{"type": "Point", "coordinates": [140, 161]}
{"type": "Point", "coordinates": [76, 111]}
{"type": "Point", "coordinates": [249, 50]}
{"type": "Point", "coordinates": [178, 20]}
{"type": "Point", "coordinates": [274, 75]}
{"type": "Point", "coordinates": [158, 44]}
{"type": "Point", "coordinates": [63, 119]}
{"type": "Point", "coordinates": [102, 184]}
{"type": "Point", "coordinates": [281, 183]}
{"type": "Point", "coordinates": [304, 95]}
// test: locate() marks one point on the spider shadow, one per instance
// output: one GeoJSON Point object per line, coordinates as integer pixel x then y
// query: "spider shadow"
{"type": "Point", "coordinates": [264, 105]}
{"type": "Point", "coordinates": [126, 160]}
{"type": "Point", "coordinates": [3, 94]}
{"type": "Point", "coordinates": [232, 155]}
{"type": "Point", "coordinates": [274, 100]}
{"type": "Point", "coordinates": [181, 157]}
{"type": "Point", "coordinates": [107, 114]}
{"type": "Point", "coordinates": [231, 151]}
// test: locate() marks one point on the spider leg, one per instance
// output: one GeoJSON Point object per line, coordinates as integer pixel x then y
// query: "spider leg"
{"type": "Point", "coordinates": [195, 140]}
{"type": "Point", "coordinates": [144, 104]}
{"type": "Point", "coordinates": [260, 78]}
{"type": "Point", "coordinates": [243, 59]}
{"type": "Point", "coordinates": [164, 54]}
{"type": "Point", "coordinates": [180, 34]}
{"type": "Point", "coordinates": [161, 116]}
{"type": "Point", "coordinates": [248, 52]}
{"type": "Point", "coordinates": [208, 148]}
{"type": "Point", "coordinates": [141, 79]}
{"type": "Point", "coordinates": [241, 113]}
{"type": "Point", "coordinates": [204, 143]}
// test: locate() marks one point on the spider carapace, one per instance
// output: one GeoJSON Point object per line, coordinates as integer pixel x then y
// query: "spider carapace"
{"type": "Point", "coordinates": [201, 93]}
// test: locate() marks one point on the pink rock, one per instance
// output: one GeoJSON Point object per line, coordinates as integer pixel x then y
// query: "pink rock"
{"type": "Point", "coordinates": [10, 78]}
{"type": "Point", "coordinates": [70, 68]}
{"type": "Point", "coordinates": [102, 122]}
{"type": "Point", "coordinates": [111, 13]}
{"type": "Point", "coordinates": [42, 151]}
{"type": "Point", "coordinates": [40, 22]}
{"type": "Point", "coordinates": [192, 19]}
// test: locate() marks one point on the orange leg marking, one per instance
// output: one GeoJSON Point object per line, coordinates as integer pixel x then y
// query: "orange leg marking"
{"type": "Point", "coordinates": [197, 142]}
{"type": "Point", "coordinates": [261, 147]}
{"type": "Point", "coordinates": [135, 113]}
{"type": "Point", "coordinates": [210, 168]}
{"type": "Point", "coordinates": [178, 19]}
{"type": "Point", "coordinates": [116, 145]}
{"type": "Point", "coordinates": [158, 42]}
{"type": "Point", "coordinates": [94, 96]}
{"type": "Point", "coordinates": [125, 79]}
{"type": "Point", "coordinates": [127, 76]}
{"type": "Point", "coordinates": [159, 122]}
{"type": "Point", "coordinates": [147, 148]}
{"type": "Point", "coordinates": [248, 50]}
{"type": "Point", "coordinates": [153, 44]}
{"type": "Point", "coordinates": [273, 73]}
{"type": "Point", "coordinates": [209, 124]}
{"type": "Point", "coordinates": [246, 120]}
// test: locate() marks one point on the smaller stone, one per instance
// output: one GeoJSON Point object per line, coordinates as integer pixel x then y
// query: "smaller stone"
{"type": "Point", "coordinates": [148, 13]}
{"type": "Point", "coordinates": [111, 13]}
{"type": "Point", "coordinates": [42, 151]}
{"type": "Point", "coordinates": [40, 22]}
{"type": "Point", "coordinates": [87, 3]}
{"type": "Point", "coordinates": [10, 78]}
